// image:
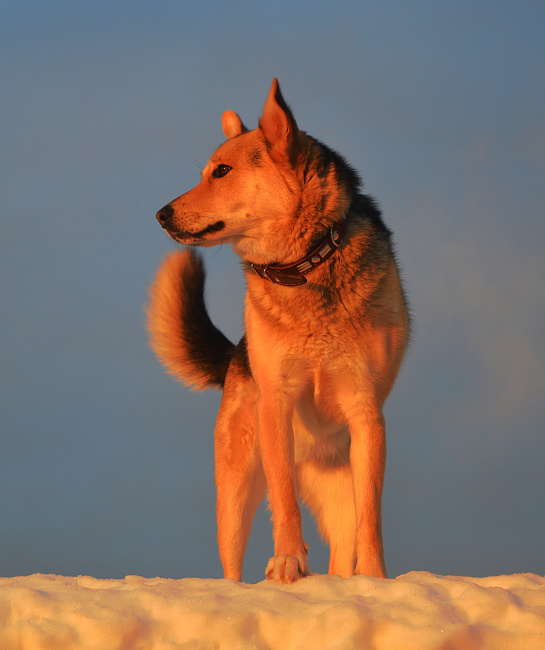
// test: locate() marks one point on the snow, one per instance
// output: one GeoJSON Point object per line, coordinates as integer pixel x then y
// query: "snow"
{"type": "Point", "coordinates": [414, 611]}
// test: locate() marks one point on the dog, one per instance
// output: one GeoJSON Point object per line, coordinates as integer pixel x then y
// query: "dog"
{"type": "Point", "coordinates": [326, 327]}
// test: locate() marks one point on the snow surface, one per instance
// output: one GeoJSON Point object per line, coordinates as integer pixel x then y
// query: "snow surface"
{"type": "Point", "coordinates": [415, 611]}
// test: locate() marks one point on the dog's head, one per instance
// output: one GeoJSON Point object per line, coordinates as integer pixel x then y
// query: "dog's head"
{"type": "Point", "coordinates": [248, 187]}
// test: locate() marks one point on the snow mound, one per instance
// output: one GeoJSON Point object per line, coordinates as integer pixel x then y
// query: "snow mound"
{"type": "Point", "coordinates": [415, 611]}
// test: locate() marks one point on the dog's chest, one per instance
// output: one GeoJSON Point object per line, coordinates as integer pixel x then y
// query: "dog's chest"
{"type": "Point", "coordinates": [299, 326]}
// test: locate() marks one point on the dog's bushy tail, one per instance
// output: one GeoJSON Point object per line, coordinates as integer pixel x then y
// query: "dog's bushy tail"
{"type": "Point", "coordinates": [180, 331]}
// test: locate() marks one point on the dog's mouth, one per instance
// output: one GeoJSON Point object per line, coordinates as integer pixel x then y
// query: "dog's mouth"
{"type": "Point", "coordinates": [188, 237]}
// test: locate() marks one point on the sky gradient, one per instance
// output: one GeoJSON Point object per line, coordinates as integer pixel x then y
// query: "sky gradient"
{"type": "Point", "coordinates": [108, 111]}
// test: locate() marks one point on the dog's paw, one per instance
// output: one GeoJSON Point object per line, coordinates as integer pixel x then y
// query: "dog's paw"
{"type": "Point", "coordinates": [287, 568]}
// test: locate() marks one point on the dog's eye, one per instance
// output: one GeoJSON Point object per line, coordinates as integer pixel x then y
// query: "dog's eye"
{"type": "Point", "coordinates": [221, 170]}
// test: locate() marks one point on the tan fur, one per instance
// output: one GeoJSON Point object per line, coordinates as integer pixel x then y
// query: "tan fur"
{"type": "Point", "coordinates": [307, 422]}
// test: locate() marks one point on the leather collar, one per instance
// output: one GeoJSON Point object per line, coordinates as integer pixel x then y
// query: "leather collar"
{"type": "Point", "coordinates": [292, 275]}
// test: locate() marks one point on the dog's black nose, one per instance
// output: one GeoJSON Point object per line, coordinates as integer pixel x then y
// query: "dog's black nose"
{"type": "Point", "coordinates": [165, 214]}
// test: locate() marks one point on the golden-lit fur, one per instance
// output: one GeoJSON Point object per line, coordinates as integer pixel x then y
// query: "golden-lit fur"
{"type": "Point", "coordinates": [301, 415]}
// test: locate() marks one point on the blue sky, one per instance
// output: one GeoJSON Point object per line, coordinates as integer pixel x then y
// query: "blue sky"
{"type": "Point", "coordinates": [108, 111]}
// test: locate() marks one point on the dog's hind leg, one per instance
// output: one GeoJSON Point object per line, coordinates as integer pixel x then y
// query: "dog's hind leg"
{"type": "Point", "coordinates": [240, 480]}
{"type": "Point", "coordinates": [328, 493]}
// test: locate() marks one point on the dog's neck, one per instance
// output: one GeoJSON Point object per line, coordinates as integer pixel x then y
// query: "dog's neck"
{"type": "Point", "coordinates": [292, 275]}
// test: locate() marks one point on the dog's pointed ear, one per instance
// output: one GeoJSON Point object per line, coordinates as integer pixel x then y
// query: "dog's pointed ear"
{"type": "Point", "coordinates": [232, 125]}
{"type": "Point", "coordinates": [279, 127]}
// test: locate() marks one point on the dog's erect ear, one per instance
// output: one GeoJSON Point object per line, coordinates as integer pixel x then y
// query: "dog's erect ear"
{"type": "Point", "coordinates": [232, 125]}
{"type": "Point", "coordinates": [279, 127]}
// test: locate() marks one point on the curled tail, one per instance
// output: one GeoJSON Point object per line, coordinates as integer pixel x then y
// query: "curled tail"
{"type": "Point", "coordinates": [180, 331]}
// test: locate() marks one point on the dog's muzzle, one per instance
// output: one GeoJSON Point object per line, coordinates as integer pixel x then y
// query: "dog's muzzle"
{"type": "Point", "coordinates": [165, 218]}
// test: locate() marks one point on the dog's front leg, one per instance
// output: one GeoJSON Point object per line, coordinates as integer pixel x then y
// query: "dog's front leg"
{"type": "Point", "coordinates": [368, 461]}
{"type": "Point", "coordinates": [290, 560]}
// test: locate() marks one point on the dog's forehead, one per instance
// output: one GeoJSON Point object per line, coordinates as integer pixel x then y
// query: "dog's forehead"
{"type": "Point", "coordinates": [248, 147]}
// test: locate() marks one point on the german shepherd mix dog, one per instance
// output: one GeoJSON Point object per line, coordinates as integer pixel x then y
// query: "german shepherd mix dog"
{"type": "Point", "coordinates": [326, 328]}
